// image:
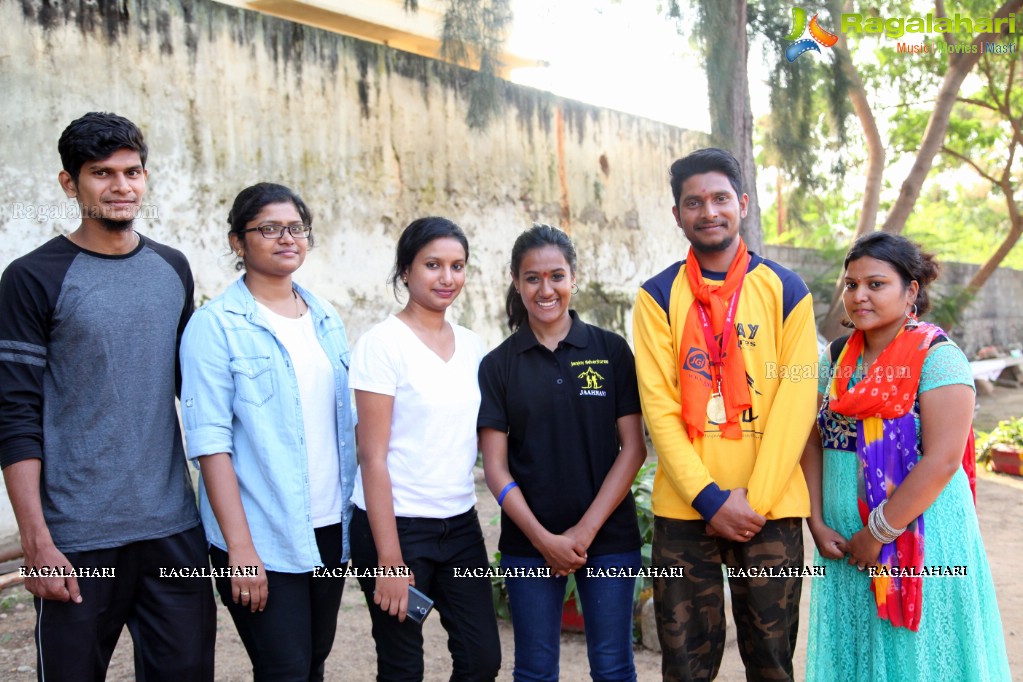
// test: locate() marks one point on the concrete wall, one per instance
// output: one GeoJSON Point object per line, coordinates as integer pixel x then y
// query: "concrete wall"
{"type": "Point", "coordinates": [994, 318]}
{"type": "Point", "coordinates": [371, 137]}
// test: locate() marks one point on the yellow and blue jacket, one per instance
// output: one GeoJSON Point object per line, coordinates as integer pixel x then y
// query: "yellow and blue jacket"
{"type": "Point", "coordinates": [775, 330]}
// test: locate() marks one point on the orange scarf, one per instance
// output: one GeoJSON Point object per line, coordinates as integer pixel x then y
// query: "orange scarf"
{"type": "Point", "coordinates": [698, 376]}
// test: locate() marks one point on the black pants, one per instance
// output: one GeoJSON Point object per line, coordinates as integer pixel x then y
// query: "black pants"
{"type": "Point", "coordinates": [690, 610]}
{"type": "Point", "coordinates": [172, 619]}
{"type": "Point", "coordinates": [289, 640]}
{"type": "Point", "coordinates": [432, 549]}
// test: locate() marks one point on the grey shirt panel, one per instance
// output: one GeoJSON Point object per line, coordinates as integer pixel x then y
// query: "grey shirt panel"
{"type": "Point", "coordinates": [114, 469]}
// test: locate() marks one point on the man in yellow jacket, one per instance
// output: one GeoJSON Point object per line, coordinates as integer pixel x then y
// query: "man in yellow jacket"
{"type": "Point", "coordinates": [726, 358]}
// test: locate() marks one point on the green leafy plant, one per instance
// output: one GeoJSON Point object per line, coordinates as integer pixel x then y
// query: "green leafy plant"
{"type": "Point", "coordinates": [642, 493]}
{"type": "Point", "coordinates": [497, 588]}
{"type": "Point", "coordinates": [1009, 432]}
{"type": "Point", "coordinates": [947, 310]}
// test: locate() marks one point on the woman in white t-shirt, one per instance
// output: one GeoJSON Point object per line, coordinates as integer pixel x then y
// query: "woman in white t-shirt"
{"type": "Point", "coordinates": [415, 381]}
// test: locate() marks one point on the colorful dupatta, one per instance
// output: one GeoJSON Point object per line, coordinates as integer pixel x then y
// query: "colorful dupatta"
{"type": "Point", "coordinates": [887, 447]}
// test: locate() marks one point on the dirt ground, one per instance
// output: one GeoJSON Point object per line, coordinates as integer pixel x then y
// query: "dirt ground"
{"type": "Point", "coordinates": [1000, 498]}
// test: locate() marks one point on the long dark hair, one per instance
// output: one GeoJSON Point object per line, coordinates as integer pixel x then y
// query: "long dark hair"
{"type": "Point", "coordinates": [536, 237]}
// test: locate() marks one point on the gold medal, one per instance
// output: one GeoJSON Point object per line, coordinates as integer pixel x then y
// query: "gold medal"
{"type": "Point", "coordinates": [716, 409]}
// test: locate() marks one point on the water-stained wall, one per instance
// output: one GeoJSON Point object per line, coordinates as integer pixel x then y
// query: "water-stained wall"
{"type": "Point", "coordinates": [371, 137]}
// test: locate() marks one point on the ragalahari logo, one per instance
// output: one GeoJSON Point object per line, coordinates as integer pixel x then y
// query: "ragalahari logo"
{"type": "Point", "coordinates": [818, 35]}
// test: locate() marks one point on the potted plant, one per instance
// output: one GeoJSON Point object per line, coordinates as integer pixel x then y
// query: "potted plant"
{"type": "Point", "coordinates": [1002, 449]}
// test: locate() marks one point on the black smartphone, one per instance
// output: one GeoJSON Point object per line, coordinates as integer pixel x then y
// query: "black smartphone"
{"type": "Point", "coordinates": [419, 605]}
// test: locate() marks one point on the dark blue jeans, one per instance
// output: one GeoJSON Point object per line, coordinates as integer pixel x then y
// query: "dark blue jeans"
{"type": "Point", "coordinates": [536, 605]}
{"type": "Point", "coordinates": [433, 549]}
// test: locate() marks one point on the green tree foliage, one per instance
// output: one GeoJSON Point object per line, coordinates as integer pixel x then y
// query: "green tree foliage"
{"type": "Point", "coordinates": [960, 226]}
{"type": "Point", "coordinates": [966, 211]}
{"type": "Point", "coordinates": [806, 131]}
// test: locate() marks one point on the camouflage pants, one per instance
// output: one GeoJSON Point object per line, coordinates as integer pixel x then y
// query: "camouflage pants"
{"type": "Point", "coordinates": [690, 610]}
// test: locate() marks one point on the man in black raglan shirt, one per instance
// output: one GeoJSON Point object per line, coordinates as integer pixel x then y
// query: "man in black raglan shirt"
{"type": "Point", "coordinates": [89, 440]}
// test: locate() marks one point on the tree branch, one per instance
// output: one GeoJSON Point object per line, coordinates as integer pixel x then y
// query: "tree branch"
{"type": "Point", "coordinates": [937, 127]}
{"type": "Point", "coordinates": [939, 11]}
{"type": "Point", "coordinates": [968, 161]}
{"type": "Point", "coordinates": [979, 103]}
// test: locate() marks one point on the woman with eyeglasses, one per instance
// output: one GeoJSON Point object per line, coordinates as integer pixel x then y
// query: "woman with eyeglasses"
{"type": "Point", "coordinates": [267, 415]}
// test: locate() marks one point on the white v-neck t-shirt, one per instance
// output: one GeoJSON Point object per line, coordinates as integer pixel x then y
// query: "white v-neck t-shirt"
{"type": "Point", "coordinates": [316, 390]}
{"type": "Point", "coordinates": [433, 447]}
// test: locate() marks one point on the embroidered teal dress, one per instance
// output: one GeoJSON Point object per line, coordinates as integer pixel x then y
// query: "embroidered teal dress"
{"type": "Point", "coordinates": [960, 635]}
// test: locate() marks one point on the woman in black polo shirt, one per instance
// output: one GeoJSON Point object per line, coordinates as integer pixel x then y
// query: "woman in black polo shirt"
{"type": "Point", "coordinates": [562, 440]}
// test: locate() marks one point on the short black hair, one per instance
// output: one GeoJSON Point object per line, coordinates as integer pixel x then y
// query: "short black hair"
{"type": "Point", "coordinates": [706, 160]}
{"type": "Point", "coordinates": [96, 136]}
{"type": "Point", "coordinates": [417, 235]}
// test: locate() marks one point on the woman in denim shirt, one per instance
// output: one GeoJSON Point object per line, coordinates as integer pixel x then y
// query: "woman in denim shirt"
{"type": "Point", "coordinates": [268, 417]}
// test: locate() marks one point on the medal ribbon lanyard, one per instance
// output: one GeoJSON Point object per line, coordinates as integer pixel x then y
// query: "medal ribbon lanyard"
{"type": "Point", "coordinates": [714, 349]}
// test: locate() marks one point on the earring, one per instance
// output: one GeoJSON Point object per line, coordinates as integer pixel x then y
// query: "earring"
{"type": "Point", "coordinates": [575, 288]}
{"type": "Point", "coordinates": [911, 321]}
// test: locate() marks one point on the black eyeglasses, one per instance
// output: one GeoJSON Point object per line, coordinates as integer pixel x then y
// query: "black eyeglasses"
{"type": "Point", "coordinates": [275, 231]}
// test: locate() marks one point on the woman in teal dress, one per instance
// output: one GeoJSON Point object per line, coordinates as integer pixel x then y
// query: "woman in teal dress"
{"type": "Point", "coordinates": [907, 593]}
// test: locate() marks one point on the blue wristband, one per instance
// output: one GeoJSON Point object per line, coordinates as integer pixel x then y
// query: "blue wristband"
{"type": "Point", "coordinates": [500, 498]}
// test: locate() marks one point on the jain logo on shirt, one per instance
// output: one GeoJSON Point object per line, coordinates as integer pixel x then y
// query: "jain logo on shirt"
{"type": "Point", "coordinates": [592, 383]}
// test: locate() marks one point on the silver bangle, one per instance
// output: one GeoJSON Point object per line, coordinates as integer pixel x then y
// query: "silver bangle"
{"type": "Point", "coordinates": [874, 530]}
{"type": "Point", "coordinates": [879, 528]}
{"type": "Point", "coordinates": [883, 521]}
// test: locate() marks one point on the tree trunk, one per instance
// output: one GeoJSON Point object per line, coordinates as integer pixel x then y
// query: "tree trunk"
{"type": "Point", "coordinates": [831, 326]}
{"type": "Point", "coordinates": [1015, 231]}
{"type": "Point", "coordinates": [992, 263]}
{"type": "Point", "coordinates": [731, 121]}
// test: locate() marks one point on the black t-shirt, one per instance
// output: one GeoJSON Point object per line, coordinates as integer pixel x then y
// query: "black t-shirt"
{"type": "Point", "coordinates": [560, 410]}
